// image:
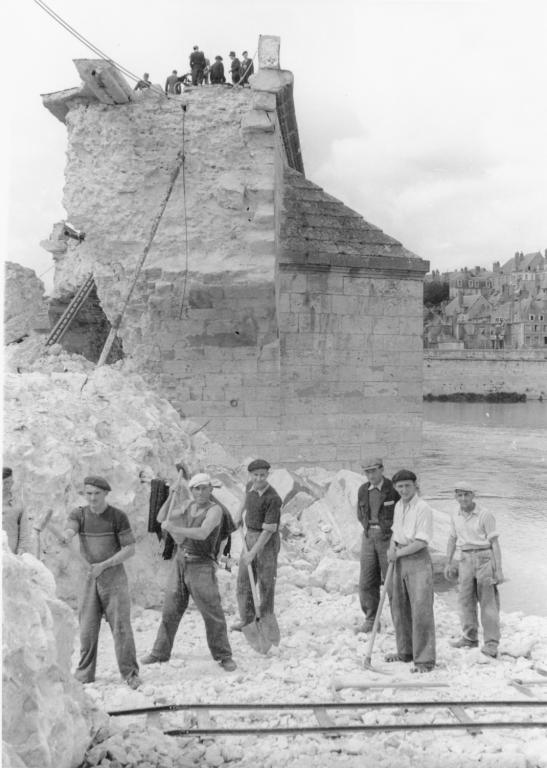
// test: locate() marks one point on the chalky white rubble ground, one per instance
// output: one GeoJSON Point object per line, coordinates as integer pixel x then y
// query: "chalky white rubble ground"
{"type": "Point", "coordinates": [320, 642]}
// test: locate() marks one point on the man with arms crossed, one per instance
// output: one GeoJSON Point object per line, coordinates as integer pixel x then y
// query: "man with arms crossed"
{"type": "Point", "coordinates": [376, 501]}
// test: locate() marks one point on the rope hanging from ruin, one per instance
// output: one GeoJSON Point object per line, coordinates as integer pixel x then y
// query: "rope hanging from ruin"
{"type": "Point", "coordinates": [184, 208]}
{"type": "Point", "coordinates": [118, 319]}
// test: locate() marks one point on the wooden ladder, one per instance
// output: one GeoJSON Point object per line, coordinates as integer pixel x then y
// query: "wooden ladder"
{"type": "Point", "coordinates": [64, 322]}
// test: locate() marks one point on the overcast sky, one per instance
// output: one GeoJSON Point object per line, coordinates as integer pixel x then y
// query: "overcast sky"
{"type": "Point", "coordinates": [429, 118]}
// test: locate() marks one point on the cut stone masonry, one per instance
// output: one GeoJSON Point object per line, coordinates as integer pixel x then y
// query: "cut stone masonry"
{"type": "Point", "coordinates": [266, 306]}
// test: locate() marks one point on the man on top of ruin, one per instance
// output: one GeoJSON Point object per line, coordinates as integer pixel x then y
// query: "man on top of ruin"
{"type": "Point", "coordinates": [15, 520]}
{"type": "Point", "coordinates": [234, 67]}
{"type": "Point", "coordinates": [196, 530]}
{"type": "Point", "coordinates": [143, 84]}
{"type": "Point", "coordinates": [376, 501]}
{"type": "Point", "coordinates": [197, 65]}
{"type": "Point", "coordinates": [171, 83]}
{"type": "Point", "coordinates": [247, 69]}
{"type": "Point", "coordinates": [262, 508]}
{"type": "Point", "coordinates": [106, 541]}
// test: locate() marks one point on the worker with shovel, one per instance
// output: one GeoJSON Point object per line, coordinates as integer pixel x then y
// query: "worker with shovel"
{"type": "Point", "coordinates": [473, 532]}
{"type": "Point", "coordinates": [258, 562]}
{"type": "Point", "coordinates": [106, 541]}
{"type": "Point", "coordinates": [412, 591]}
{"type": "Point", "coordinates": [196, 530]}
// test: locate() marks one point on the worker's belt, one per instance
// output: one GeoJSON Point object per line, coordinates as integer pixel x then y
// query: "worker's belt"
{"type": "Point", "coordinates": [476, 549]}
{"type": "Point", "coordinates": [255, 530]}
{"type": "Point", "coordinates": [187, 556]}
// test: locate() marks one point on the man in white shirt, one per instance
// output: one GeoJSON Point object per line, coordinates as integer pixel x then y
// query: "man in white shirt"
{"type": "Point", "coordinates": [473, 532]}
{"type": "Point", "coordinates": [412, 596]}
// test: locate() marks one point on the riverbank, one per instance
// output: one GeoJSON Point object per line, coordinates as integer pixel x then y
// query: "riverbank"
{"type": "Point", "coordinates": [320, 641]}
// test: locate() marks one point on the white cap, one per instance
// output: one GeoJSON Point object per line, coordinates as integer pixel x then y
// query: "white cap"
{"type": "Point", "coordinates": [200, 479]}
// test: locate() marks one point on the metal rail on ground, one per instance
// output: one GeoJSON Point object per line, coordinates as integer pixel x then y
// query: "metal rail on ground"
{"type": "Point", "coordinates": [327, 725]}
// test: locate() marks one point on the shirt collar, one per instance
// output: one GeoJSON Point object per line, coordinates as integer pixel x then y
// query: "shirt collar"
{"type": "Point", "coordinates": [262, 491]}
{"type": "Point", "coordinates": [411, 503]}
{"type": "Point", "coordinates": [474, 511]}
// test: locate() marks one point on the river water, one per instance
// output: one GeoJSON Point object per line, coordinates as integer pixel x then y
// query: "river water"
{"type": "Point", "coordinates": [502, 449]}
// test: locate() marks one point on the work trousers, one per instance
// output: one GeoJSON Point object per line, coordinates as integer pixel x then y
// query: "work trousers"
{"type": "Point", "coordinates": [197, 75]}
{"type": "Point", "coordinates": [412, 607]}
{"type": "Point", "coordinates": [374, 547]}
{"type": "Point", "coordinates": [475, 587]}
{"type": "Point", "coordinates": [198, 579]}
{"type": "Point", "coordinates": [264, 568]}
{"type": "Point", "coordinates": [106, 594]}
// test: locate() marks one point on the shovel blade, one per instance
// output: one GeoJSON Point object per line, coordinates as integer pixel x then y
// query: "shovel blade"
{"type": "Point", "coordinates": [270, 628]}
{"type": "Point", "coordinates": [255, 636]}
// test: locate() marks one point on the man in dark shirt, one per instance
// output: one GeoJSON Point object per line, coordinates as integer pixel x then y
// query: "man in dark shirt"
{"type": "Point", "coordinates": [171, 82]}
{"type": "Point", "coordinates": [106, 541]}
{"type": "Point", "coordinates": [196, 530]}
{"type": "Point", "coordinates": [247, 69]}
{"type": "Point", "coordinates": [234, 67]}
{"type": "Point", "coordinates": [217, 72]}
{"type": "Point", "coordinates": [263, 513]}
{"type": "Point", "coordinates": [375, 506]}
{"type": "Point", "coordinates": [197, 65]}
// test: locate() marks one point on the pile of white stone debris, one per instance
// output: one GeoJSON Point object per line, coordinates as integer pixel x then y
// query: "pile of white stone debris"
{"type": "Point", "coordinates": [66, 419]}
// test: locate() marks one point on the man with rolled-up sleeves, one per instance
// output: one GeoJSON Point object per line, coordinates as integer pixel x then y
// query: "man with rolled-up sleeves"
{"type": "Point", "coordinates": [262, 508]}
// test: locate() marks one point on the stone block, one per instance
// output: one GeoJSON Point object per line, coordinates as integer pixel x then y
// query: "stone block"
{"type": "Point", "coordinates": [263, 100]}
{"type": "Point", "coordinates": [306, 302]}
{"type": "Point", "coordinates": [256, 120]}
{"type": "Point", "coordinates": [268, 51]}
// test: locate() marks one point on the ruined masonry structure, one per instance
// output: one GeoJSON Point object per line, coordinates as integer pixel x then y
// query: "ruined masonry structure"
{"type": "Point", "coordinates": [266, 307]}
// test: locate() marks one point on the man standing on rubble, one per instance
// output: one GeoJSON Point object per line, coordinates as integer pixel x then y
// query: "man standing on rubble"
{"type": "Point", "coordinates": [196, 530]}
{"type": "Point", "coordinates": [106, 542]}
{"type": "Point", "coordinates": [376, 501]}
{"type": "Point", "coordinates": [473, 531]}
{"type": "Point", "coordinates": [412, 597]}
{"type": "Point", "coordinates": [197, 65]}
{"type": "Point", "coordinates": [171, 83]}
{"type": "Point", "coordinates": [262, 509]}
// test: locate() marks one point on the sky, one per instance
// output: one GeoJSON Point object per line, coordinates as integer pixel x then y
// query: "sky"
{"type": "Point", "coordinates": [428, 118]}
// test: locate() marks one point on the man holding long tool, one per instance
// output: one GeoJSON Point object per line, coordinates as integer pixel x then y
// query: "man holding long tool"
{"type": "Point", "coordinates": [196, 530]}
{"type": "Point", "coordinates": [263, 513]}
{"type": "Point", "coordinates": [106, 541]}
{"type": "Point", "coordinates": [473, 531]}
{"type": "Point", "coordinates": [412, 595]}
{"type": "Point", "coordinates": [376, 501]}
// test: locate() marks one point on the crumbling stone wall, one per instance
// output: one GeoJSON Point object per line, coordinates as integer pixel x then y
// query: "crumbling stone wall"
{"type": "Point", "coordinates": [266, 308]}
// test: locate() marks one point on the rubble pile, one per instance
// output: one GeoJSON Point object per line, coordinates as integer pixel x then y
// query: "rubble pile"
{"type": "Point", "coordinates": [25, 307]}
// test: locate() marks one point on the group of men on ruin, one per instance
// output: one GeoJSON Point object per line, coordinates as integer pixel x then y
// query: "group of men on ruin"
{"type": "Point", "coordinates": [202, 72]}
{"type": "Point", "coordinates": [397, 529]}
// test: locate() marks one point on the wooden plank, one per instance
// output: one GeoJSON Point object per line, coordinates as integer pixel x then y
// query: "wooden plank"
{"type": "Point", "coordinates": [355, 681]}
{"type": "Point", "coordinates": [204, 719]}
{"type": "Point", "coordinates": [522, 689]}
{"type": "Point", "coordinates": [461, 715]}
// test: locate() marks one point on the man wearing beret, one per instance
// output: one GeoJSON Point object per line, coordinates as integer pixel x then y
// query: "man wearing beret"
{"type": "Point", "coordinates": [473, 532]}
{"type": "Point", "coordinates": [106, 542]}
{"type": "Point", "coordinates": [412, 596]}
{"type": "Point", "coordinates": [376, 501]}
{"type": "Point", "coordinates": [262, 508]}
{"type": "Point", "coordinates": [196, 530]}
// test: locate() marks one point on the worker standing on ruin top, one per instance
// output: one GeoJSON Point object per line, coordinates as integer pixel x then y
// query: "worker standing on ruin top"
{"type": "Point", "coordinates": [376, 501]}
{"type": "Point", "coordinates": [197, 65]}
{"type": "Point", "coordinates": [15, 521]}
{"type": "Point", "coordinates": [235, 67]}
{"type": "Point", "coordinates": [171, 83]}
{"type": "Point", "coordinates": [217, 72]}
{"type": "Point", "coordinates": [247, 69]}
{"type": "Point", "coordinates": [143, 84]}
{"type": "Point", "coordinates": [262, 508]}
{"type": "Point", "coordinates": [106, 541]}
{"type": "Point", "coordinates": [197, 532]}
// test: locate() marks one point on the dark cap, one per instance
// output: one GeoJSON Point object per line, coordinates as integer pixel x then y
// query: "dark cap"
{"type": "Point", "coordinates": [6, 472]}
{"type": "Point", "coordinates": [245, 53]}
{"type": "Point", "coordinates": [218, 58]}
{"type": "Point", "coordinates": [258, 464]}
{"type": "Point", "coordinates": [232, 53]}
{"type": "Point", "coordinates": [196, 47]}
{"type": "Point", "coordinates": [403, 474]}
{"type": "Point", "coordinates": [98, 482]}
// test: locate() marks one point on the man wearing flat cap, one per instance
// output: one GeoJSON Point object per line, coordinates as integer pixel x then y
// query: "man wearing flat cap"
{"type": "Point", "coordinates": [412, 596]}
{"type": "Point", "coordinates": [247, 69]}
{"type": "Point", "coordinates": [376, 501]}
{"type": "Point", "coordinates": [106, 542]}
{"type": "Point", "coordinates": [262, 514]}
{"type": "Point", "coordinates": [196, 530]}
{"type": "Point", "coordinates": [473, 532]}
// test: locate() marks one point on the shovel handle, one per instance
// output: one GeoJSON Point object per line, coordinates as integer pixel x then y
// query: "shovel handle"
{"type": "Point", "coordinates": [387, 582]}
{"type": "Point", "coordinates": [254, 591]}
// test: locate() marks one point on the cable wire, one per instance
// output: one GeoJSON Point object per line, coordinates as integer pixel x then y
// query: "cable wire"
{"type": "Point", "coordinates": [185, 212]}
